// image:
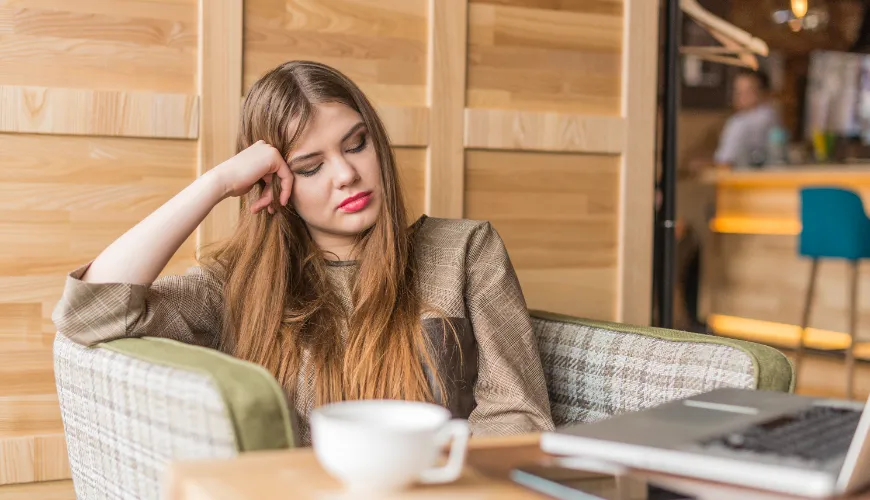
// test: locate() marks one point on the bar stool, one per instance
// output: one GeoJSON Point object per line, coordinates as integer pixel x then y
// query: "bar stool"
{"type": "Point", "coordinates": [833, 226]}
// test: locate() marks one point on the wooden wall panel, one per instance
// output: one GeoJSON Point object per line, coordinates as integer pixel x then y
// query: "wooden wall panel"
{"type": "Point", "coordinates": [98, 112]}
{"type": "Point", "coordinates": [411, 163]}
{"type": "Point", "coordinates": [545, 55]}
{"type": "Point", "coordinates": [762, 277]}
{"type": "Point", "coordinates": [379, 44]}
{"type": "Point", "coordinates": [514, 111]}
{"type": "Point", "coordinates": [523, 130]}
{"type": "Point", "coordinates": [557, 214]}
{"type": "Point", "coordinates": [122, 44]}
{"type": "Point", "coordinates": [87, 76]}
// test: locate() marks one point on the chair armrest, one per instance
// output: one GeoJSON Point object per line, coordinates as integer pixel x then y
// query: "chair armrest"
{"type": "Point", "coordinates": [596, 369]}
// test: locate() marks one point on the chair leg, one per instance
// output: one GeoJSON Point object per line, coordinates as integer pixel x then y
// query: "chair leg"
{"type": "Point", "coordinates": [853, 326]}
{"type": "Point", "coordinates": [805, 319]}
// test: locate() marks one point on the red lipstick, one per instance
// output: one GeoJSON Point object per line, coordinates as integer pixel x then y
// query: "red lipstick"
{"type": "Point", "coordinates": [356, 202]}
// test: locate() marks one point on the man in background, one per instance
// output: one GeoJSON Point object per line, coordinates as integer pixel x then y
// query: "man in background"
{"type": "Point", "coordinates": [744, 138]}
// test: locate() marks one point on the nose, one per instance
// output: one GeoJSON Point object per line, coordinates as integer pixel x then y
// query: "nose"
{"type": "Point", "coordinates": [345, 173]}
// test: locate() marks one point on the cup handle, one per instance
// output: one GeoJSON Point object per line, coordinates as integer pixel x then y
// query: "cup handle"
{"type": "Point", "coordinates": [456, 432]}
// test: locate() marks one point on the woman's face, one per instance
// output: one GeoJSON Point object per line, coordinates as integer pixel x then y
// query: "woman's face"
{"type": "Point", "coordinates": [337, 188]}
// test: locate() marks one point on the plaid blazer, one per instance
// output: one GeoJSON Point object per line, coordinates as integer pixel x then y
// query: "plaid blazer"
{"type": "Point", "coordinates": [491, 370]}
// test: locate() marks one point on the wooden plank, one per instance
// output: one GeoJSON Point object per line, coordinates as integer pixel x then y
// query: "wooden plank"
{"type": "Point", "coordinates": [379, 44]}
{"type": "Point", "coordinates": [531, 57]}
{"type": "Point", "coordinates": [612, 7]}
{"type": "Point", "coordinates": [446, 99]}
{"type": "Point", "coordinates": [411, 164]}
{"type": "Point", "coordinates": [406, 126]}
{"type": "Point", "coordinates": [28, 459]}
{"type": "Point", "coordinates": [220, 87]}
{"type": "Point", "coordinates": [637, 178]}
{"type": "Point", "coordinates": [524, 130]}
{"type": "Point", "coordinates": [35, 414]}
{"type": "Point", "coordinates": [49, 490]}
{"type": "Point", "coordinates": [130, 45]}
{"type": "Point", "coordinates": [557, 214]}
{"type": "Point", "coordinates": [98, 112]}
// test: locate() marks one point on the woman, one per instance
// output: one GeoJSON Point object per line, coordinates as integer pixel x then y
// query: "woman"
{"type": "Point", "coordinates": [323, 283]}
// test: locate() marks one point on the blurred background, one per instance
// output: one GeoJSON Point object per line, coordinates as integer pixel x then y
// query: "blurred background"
{"type": "Point", "coordinates": [543, 116]}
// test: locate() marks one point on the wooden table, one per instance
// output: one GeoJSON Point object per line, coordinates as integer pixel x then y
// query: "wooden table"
{"type": "Point", "coordinates": [296, 474]}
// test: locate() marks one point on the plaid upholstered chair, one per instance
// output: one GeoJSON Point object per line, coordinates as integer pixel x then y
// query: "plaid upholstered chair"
{"type": "Point", "coordinates": [596, 369]}
{"type": "Point", "coordinates": [130, 406]}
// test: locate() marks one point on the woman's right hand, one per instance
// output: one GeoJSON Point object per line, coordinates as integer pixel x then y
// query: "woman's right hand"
{"type": "Point", "coordinates": [259, 161]}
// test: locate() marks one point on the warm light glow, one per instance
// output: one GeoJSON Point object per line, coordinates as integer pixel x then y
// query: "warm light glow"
{"type": "Point", "coordinates": [799, 8]}
{"type": "Point", "coordinates": [756, 225]}
{"type": "Point", "coordinates": [778, 334]}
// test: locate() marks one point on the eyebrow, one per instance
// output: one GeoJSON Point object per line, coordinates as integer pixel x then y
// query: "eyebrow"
{"type": "Point", "coordinates": [349, 133]}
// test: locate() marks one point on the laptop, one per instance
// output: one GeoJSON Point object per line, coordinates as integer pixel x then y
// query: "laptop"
{"type": "Point", "coordinates": [774, 441]}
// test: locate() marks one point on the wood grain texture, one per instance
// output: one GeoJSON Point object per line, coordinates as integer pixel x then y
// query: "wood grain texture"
{"type": "Point", "coordinates": [557, 214]}
{"type": "Point", "coordinates": [379, 44]}
{"type": "Point", "coordinates": [612, 7]}
{"type": "Point", "coordinates": [411, 163]}
{"type": "Point", "coordinates": [130, 45]}
{"type": "Point", "coordinates": [49, 490]}
{"type": "Point", "coordinates": [220, 88]}
{"type": "Point", "coordinates": [526, 130]}
{"type": "Point", "coordinates": [536, 56]}
{"type": "Point", "coordinates": [406, 125]}
{"type": "Point", "coordinates": [637, 169]}
{"type": "Point", "coordinates": [761, 277]}
{"type": "Point", "coordinates": [29, 459]}
{"type": "Point", "coordinates": [98, 112]}
{"type": "Point", "coordinates": [446, 85]}
{"type": "Point", "coordinates": [58, 211]}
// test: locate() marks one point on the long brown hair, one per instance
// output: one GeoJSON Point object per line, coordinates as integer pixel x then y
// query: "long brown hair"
{"type": "Point", "coordinates": [280, 309]}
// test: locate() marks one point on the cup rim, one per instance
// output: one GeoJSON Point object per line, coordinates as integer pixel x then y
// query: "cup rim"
{"type": "Point", "coordinates": [330, 412]}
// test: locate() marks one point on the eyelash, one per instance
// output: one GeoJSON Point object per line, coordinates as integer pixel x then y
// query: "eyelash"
{"type": "Point", "coordinates": [356, 149]}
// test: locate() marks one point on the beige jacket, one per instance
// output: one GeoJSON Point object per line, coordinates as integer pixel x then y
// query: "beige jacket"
{"type": "Point", "coordinates": [464, 271]}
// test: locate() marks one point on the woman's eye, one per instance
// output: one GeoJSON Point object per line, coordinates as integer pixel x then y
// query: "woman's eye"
{"type": "Point", "coordinates": [359, 147]}
{"type": "Point", "coordinates": [311, 171]}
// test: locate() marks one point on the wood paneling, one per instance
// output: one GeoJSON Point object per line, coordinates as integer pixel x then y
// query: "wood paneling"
{"type": "Point", "coordinates": [637, 172]}
{"type": "Point", "coordinates": [446, 91]}
{"type": "Point", "coordinates": [379, 44]}
{"type": "Point", "coordinates": [762, 277]}
{"type": "Point", "coordinates": [28, 459]}
{"type": "Point", "coordinates": [557, 214]}
{"type": "Point", "coordinates": [220, 88]}
{"type": "Point", "coordinates": [525, 130]}
{"type": "Point", "coordinates": [98, 112]}
{"type": "Point", "coordinates": [52, 490]}
{"type": "Point", "coordinates": [541, 56]}
{"type": "Point", "coordinates": [406, 125]}
{"type": "Point", "coordinates": [130, 45]}
{"type": "Point", "coordinates": [411, 163]}
{"type": "Point", "coordinates": [87, 76]}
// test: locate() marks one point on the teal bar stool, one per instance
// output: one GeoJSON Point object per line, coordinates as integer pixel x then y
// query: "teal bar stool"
{"type": "Point", "coordinates": [833, 226]}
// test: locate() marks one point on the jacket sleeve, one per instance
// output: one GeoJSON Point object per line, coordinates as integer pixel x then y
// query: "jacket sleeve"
{"type": "Point", "coordinates": [187, 308]}
{"type": "Point", "coordinates": [510, 392]}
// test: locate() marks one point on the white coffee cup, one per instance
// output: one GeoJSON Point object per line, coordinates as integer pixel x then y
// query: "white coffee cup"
{"type": "Point", "coordinates": [385, 445]}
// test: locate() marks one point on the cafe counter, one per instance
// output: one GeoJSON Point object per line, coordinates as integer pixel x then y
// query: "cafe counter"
{"type": "Point", "coordinates": [753, 280]}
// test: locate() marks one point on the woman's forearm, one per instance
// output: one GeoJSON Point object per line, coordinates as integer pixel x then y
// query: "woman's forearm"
{"type": "Point", "coordinates": [140, 254]}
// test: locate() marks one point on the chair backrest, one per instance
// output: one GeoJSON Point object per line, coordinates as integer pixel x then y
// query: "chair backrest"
{"type": "Point", "coordinates": [131, 406]}
{"type": "Point", "coordinates": [833, 224]}
{"type": "Point", "coordinates": [597, 369]}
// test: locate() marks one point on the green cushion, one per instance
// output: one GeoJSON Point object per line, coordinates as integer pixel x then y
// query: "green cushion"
{"type": "Point", "coordinates": [256, 404]}
{"type": "Point", "coordinates": [773, 370]}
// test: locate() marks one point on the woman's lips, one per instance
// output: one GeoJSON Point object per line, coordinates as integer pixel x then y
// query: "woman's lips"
{"type": "Point", "coordinates": [356, 202]}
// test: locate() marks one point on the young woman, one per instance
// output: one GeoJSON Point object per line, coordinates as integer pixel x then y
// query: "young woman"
{"type": "Point", "coordinates": [323, 283]}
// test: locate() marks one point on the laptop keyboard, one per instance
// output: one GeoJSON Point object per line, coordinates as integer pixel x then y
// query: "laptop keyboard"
{"type": "Point", "coordinates": [816, 434]}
